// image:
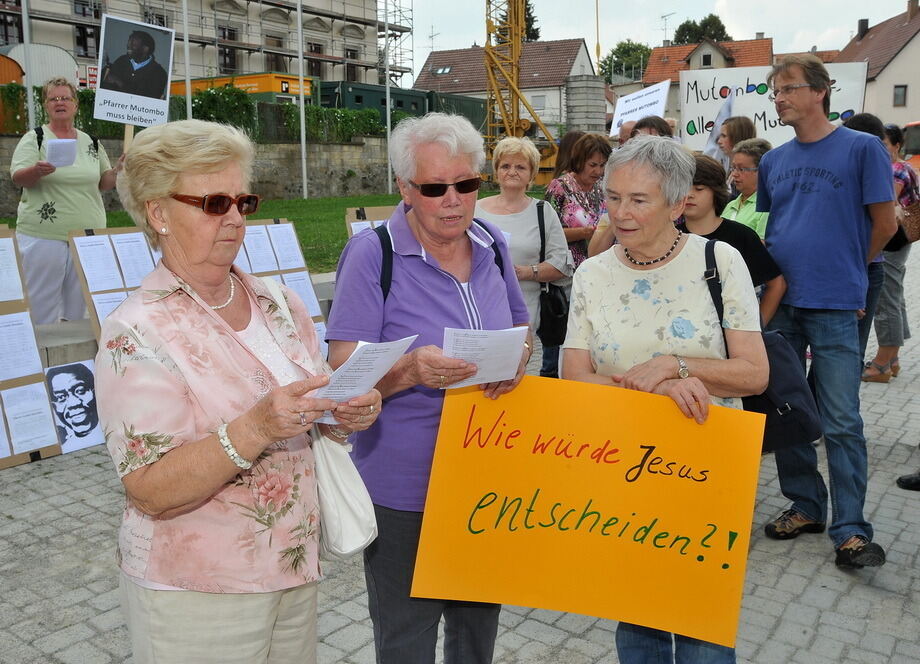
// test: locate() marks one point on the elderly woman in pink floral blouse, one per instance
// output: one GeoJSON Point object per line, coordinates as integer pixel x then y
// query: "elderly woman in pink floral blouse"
{"type": "Point", "coordinates": [205, 381]}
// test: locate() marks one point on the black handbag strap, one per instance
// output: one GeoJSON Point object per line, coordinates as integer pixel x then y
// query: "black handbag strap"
{"type": "Point", "coordinates": [714, 282]}
{"type": "Point", "coordinates": [542, 230]}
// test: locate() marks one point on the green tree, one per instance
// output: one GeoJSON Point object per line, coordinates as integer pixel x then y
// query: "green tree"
{"type": "Point", "coordinates": [628, 58]}
{"type": "Point", "coordinates": [531, 31]}
{"type": "Point", "coordinates": [691, 32]}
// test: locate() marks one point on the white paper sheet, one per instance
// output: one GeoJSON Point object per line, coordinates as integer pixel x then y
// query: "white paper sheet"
{"type": "Point", "coordinates": [28, 413]}
{"type": "Point", "coordinates": [242, 261]}
{"type": "Point", "coordinates": [98, 261]}
{"type": "Point", "coordinates": [259, 249]}
{"type": "Point", "coordinates": [301, 284]}
{"type": "Point", "coordinates": [61, 151]}
{"type": "Point", "coordinates": [18, 351]}
{"type": "Point", "coordinates": [286, 245]}
{"type": "Point", "coordinates": [358, 226]}
{"type": "Point", "coordinates": [496, 353]}
{"type": "Point", "coordinates": [105, 303]}
{"type": "Point", "coordinates": [10, 283]}
{"type": "Point", "coordinates": [133, 256]}
{"type": "Point", "coordinates": [4, 440]}
{"type": "Point", "coordinates": [321, 335]}
{"type": "Point", "coordinates": [366, 365]}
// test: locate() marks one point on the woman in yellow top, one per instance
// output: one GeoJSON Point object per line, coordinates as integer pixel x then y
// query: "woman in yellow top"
{"type": "Point", "coordinates": [55, 201]}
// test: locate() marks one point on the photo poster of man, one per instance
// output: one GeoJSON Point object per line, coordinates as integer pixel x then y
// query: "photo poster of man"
{"type": "Point", "coordinates": [134, 65]}
{"type": "Point", "coordinates": [73, 399]}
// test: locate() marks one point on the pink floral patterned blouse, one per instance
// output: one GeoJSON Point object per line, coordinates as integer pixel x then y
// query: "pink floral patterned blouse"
{"type": "Point", "coordinates": [169, 371]}
{"type": "Point", "coordinates": [576, 208]}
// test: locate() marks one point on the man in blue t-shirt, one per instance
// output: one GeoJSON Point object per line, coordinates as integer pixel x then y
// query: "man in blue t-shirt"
{"type": "Point", "coordinates": [829, 192]}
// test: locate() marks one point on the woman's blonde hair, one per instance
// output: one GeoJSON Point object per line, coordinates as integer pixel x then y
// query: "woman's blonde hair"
{"type": "Point", "coordinates": [57, 82]}
{"type": "Point", "coordinates": [511, 146]}
{"type": "Point", "coordinates": [160, 155]}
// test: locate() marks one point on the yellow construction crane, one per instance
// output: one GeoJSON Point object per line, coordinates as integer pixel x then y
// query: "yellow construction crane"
{"type": "Point", "coordinates": [504, 44]}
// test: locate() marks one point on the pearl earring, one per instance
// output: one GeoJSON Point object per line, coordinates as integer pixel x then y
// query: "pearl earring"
{"type": "Point", "coordinates": [163, 230]}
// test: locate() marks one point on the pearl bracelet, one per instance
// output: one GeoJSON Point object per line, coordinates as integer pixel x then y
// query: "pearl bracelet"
{"type": "Point", "coordinates": [230, 449]}
{"type": "Point", "coordinates": [339, 433]}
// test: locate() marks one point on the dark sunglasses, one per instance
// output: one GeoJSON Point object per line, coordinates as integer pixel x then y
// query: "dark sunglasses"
{"type": "Point", "coordinates": [436, 189]}
{"type": "Point", "coordinates": [219, 204]}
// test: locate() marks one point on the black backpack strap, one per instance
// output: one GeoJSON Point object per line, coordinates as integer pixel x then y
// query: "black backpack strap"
{"type": "Point", "coordinates": [495, 250]}
{"type": "Point", "coordinates": [386, 259]}
{"type": "Point", "coordinates": [386, 263]}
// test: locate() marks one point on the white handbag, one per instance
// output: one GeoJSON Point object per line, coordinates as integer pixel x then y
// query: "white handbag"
{"type": "Point", "coordinates": [346, 513]}
{"type": "Point", "coordinates": [347, 521]}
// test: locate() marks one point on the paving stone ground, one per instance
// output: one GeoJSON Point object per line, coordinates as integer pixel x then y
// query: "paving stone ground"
{"type": "Point", "coordinates": [58, 581]}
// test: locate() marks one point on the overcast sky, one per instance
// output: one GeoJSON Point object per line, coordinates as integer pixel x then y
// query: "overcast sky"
{"type": "Point", "coordinates": [794, 25]}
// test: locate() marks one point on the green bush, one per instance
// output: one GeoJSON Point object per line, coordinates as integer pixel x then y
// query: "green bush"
{"type": "Point", "coordinates": [332, 125]}
{"type": "Point", "coordinates": [228, 105]}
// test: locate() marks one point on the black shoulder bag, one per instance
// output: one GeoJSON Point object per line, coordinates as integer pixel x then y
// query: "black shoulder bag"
{"type": "Point", "coordinates": [792, 415]}
{"type": "Point", "coordinates": [554, 305]}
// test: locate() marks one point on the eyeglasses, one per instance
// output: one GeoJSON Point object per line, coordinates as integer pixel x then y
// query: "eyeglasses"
{"type": "Point", "coordinates": [57, 99]}
{"type": "Point", "coordinates": [219, 204]}
{"type": "Point", "coordinates": [787, 90]}
{"type": "Point", "coordinates": [437, 189]}
{"type": "Point", "coordinates": [738, 169]}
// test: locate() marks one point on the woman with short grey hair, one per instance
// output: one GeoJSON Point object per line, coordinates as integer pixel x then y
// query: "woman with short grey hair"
{"type": "Point", "coordinates": [444, 270]}
{"type": "Point", "coordinates": [642, 318]}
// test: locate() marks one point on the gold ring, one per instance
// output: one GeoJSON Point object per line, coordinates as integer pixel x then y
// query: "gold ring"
{"type": "Point", "coordinates": [443, 378]}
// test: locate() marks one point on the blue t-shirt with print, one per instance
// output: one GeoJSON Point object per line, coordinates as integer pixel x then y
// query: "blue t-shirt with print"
{"type": "Point", "coordinates": [819, 230]}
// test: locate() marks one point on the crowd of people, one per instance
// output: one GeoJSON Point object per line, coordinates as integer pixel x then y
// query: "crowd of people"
{"type": "Point", "coordinates": [207, 376]}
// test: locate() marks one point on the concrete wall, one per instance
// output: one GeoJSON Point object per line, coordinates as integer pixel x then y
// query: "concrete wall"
{"type": "Point", "coordinates": [585, 103]}
{"type": "Point", "coordinates": [333, 169]}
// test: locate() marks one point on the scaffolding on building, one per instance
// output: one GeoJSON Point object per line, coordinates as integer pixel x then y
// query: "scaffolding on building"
{"type": "Point", "coordinates": [247, 28]}
{"type": "Point", "coordinates": [399, 44]}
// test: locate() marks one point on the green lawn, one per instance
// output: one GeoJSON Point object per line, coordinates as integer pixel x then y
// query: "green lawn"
{"type": "Point", "coordinates": [319, 222]}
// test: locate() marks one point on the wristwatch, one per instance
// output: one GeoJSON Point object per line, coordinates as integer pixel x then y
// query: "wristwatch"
{"type": "Point", "coordinates": [683, 371]}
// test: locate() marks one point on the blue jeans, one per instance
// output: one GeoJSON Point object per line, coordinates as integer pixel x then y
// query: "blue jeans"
{"type": "Point", "coordinates": [876, 273]}
{"type": "Point", "coordinates": [644, 645]}
{"type": "Point", "coordinates": [406, 628]}
{"type": "Point", "coordinates": [550, 367]}
{"type": "Point", "coordinates": [834, 341]}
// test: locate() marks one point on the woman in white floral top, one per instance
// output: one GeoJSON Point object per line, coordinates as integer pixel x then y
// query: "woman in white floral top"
{"type": "Point", "coordinates": [641, 317]}
{"type": "Point", "coordinates": [204, 383]}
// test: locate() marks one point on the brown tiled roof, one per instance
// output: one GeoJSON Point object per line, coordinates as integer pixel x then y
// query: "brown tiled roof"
{"type": "Point", "coordinates": [824, 56]}
{"type": "Point", "coordinates": [668, 61]}
{"type": "Point", "coordinates": [881, 43]}
{"type": "Point", "coordinates": [544, 64]}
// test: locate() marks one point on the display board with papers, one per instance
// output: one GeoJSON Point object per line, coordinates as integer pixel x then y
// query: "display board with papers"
{"type": "Point", "coordinates": [27, 431]}
{"type": "Point", "coordinates": [112, 262]}
{"type": "Point", "coordinates": [360, 218]}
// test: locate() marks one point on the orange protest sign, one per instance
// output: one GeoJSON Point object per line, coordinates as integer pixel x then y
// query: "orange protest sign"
{"type": "Point", "coordinates": [592, 499]}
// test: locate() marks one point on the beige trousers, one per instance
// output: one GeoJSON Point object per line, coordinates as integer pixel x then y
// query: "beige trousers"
{"type": "Point", "coordinates": [186, 627]}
